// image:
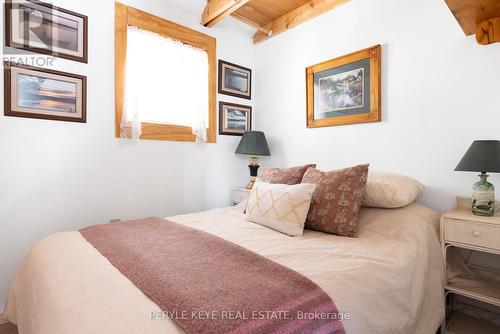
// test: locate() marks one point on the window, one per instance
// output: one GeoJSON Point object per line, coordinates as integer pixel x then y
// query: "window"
{"type": "Point", "coordinates": [165, 78]}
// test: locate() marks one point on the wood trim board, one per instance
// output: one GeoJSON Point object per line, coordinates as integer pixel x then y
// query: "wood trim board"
{"type": "Point", "coordinates": [125, 16]}
{"type": "Point", "coordinates": [216, 10]}
{"type": "Point", "coordinates": [3, 319]}
{"type": "Point", "coordinates": [296, 17]}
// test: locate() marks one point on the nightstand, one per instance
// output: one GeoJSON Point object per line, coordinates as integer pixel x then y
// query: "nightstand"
{"type": "Point", "coordinates": [460, 229]}
{"type": "Point", "coordinates": [239, 195]}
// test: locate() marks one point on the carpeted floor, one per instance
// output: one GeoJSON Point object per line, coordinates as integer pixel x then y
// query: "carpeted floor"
{"type": "Point", "coordinates": [8, 329]}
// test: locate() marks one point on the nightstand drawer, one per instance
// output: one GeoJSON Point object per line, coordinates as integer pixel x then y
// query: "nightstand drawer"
{"type": "Point", "coordinates": [472, 233]}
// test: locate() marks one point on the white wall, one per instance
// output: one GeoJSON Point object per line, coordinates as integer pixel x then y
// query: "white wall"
{"type": "Point", "coordinates": [58, 176]}
{"type": "Point", "coordinates": [440, 91]}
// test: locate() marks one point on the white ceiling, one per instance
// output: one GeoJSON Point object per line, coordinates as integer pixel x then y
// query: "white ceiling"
{"type": "Point", "coordinates": [190, 5]}
{"type": "Point", "coordinates": [196, 7]}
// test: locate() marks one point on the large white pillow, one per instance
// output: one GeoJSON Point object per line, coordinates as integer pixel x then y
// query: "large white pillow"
{"type": "Point", "coordinates": [389, 191]}
{"type": "Point", "coordinates": [281, 207]}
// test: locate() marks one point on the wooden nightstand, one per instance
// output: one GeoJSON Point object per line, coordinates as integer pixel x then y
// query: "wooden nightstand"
{"type": "Point", "coordinates": [461, 229]}
{"type": "Point", "coordinates": [239, 195]}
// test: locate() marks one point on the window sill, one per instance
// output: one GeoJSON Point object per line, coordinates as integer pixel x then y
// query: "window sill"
{"type": "Point", "coordinates": [167, 132]}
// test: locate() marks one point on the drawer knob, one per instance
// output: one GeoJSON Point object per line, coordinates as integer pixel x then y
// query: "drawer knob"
{"type": "Point", "coordinates": [476, 233]}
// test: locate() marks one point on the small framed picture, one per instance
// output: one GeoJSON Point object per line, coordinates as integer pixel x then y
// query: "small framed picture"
{"type": "Point", "coordinates": [235, 80]}
{"type": "Point", "coordinates": [42, 28]}
{"type": "Point", "coordinates": [46, 94]}
{"type": "Point", "coordinates": [345, 90]}
{"type": "Point", "coordinates": [234, 119]}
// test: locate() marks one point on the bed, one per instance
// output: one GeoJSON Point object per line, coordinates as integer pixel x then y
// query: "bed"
{"type": "Point", "coordinates": [389, 279]}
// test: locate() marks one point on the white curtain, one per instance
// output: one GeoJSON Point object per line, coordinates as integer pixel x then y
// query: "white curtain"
{"type": "Point", "coordinates": [166, 82]}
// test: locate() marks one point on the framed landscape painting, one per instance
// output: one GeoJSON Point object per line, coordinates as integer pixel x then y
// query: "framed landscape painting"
{"type": "Point", "coordinates": [345, 90]}
{"type": "Point", "coordinates": [42, 28]}
{"type": "Point", "coordinates": [234, 119]}
{"type": "Point", "coordinates": [46, 94]}
{"type": "Point", "coordinates": [235, 80]}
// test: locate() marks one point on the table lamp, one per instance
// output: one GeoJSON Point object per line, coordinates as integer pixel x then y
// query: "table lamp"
{"type": "Point", "coordinates": [253, 143]}
{"type": "Point", "coordinates": [483, 156]}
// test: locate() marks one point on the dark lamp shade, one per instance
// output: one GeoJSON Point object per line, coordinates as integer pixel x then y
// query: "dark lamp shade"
{"type": "Point", "coordinates": [482, 156]}
{"type": "Point", "coordinates": [253, 143]}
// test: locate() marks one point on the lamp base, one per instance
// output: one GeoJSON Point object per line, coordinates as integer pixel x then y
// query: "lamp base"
{"type": "Point", "coordinates": [483, 197]}
{"type": "Point", "coordinates": [251, 183]}
{"type": "Point", "coordinates": [254, 168]}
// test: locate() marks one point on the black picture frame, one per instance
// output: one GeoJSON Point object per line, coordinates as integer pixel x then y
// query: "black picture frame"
{"type": "Point", "coordinates": [242, 78]}
{"type": "Point", "coordinates": [223, 129]}
{"type": "Point", "coordinates": [10, 42]}
{"type": "Point", "coordinates": [80, 115]}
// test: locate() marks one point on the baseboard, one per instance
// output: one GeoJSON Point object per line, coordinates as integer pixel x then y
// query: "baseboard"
{"type": "Point", "coordinates": [3, 320]}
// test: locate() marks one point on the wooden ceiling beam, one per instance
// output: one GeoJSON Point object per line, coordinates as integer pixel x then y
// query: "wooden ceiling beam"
{"type": "Point", "coordinates": [488, 32]}
{"type": "Point", "coordinates": [216, 10]}
{"type": "Point", "coordinates": [469, 13]}
{"type": "Point", "coordinates": [249, 22]}
{"type": "Point", "coordinates": [300, 15]}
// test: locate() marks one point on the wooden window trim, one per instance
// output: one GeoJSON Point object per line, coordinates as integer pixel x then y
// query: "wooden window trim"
{"type": "Point", "coordinates": [127, 16]}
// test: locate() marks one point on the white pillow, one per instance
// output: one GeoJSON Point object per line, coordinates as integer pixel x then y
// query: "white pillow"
{"type": "Point", "coordinates": [389, 191]}
{"type": "Point", "coordinates": [281, 207]}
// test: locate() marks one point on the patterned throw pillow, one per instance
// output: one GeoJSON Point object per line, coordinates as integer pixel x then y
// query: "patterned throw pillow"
{"type": "Point", "coordinates": [288, 176]}
{"type": "Point", "coordinates": [337, 200]}
{"type": "Point", "coordinates": [279, 206]}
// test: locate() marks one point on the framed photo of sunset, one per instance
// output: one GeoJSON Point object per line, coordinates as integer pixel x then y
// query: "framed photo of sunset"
{"type": "Point", "coordinates": [33, 92]}
{"type": "Point", "coordinates": [40, 27]}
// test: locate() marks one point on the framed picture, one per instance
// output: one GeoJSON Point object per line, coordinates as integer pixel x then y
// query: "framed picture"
{"type": "Point", "coordinates": [345, 90]}
{"type": "Point", "coordinates": [46, 94]}
{"type": "Point", "coordinates": [42, 28]}
{"type": "Point", "coordinates": [235, 80]}
{"type": "Point", "coordinates": [234, 119]}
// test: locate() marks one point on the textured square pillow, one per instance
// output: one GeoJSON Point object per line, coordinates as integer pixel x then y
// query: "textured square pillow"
{"type": "Point", "coordinates": [279, 206]}
{"type": "Point", "coordinates": [288, 176]}
{"type": "Point", "coordinates": [389, 191]}
{"type": "Point", "coordinates": [337, 200]}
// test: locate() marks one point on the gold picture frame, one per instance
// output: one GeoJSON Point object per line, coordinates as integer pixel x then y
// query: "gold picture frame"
{"type": "Point", "coordinates": [345, 90]}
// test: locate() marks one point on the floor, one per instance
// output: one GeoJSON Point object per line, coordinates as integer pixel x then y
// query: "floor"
{"type": "Point", "coordinates": [8, 329]}
{"type": "Point", "coordinates": [12, 329]}
{"type": "Point", "coordinates": [461, 323]}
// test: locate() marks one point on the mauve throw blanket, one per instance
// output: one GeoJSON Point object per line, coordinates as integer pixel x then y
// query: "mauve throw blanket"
{"type": "Point", "coordinates": [209, 285]}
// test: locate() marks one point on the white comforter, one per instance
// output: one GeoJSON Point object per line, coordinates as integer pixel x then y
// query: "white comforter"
{"type": "Point", "coordinates": [389, 279]}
